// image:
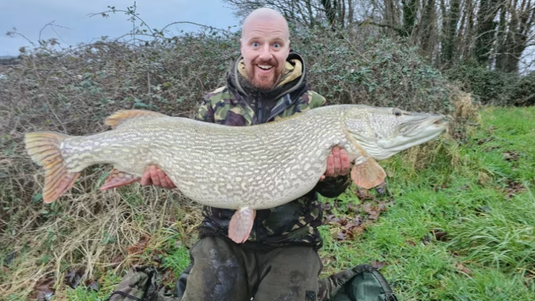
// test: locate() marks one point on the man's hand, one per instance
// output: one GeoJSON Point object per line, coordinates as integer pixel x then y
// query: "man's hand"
{"type": "Point", "coordinates": [337, 163]}
{"type": "Point", "coordinates": [155, 176]}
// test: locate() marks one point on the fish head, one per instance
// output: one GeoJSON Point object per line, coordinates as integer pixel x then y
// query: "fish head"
{"type": "Point", "coordinates": [384, 132]}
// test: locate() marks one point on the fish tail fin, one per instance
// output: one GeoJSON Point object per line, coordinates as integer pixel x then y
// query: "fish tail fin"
{"type": "Point", "coordinates": [44, 149]}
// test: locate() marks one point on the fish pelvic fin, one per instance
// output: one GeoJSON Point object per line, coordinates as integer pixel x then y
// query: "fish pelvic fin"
{"type": "Point", "coordinates": [120, 116]}
{"type": "Point", "coordinates": [44, 149]}
{"type": "Point", "coordinates": [119, 178]}
{"type": "Point", "coordinates": [368, 174]}
{"type": "Point", "coordinates": [241, 224]}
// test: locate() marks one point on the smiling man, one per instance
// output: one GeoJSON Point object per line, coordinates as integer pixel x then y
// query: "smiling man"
{"type": "Point", "coordinates": [279, 261]}
{"type": "Point", "coordinates": [265, 45]}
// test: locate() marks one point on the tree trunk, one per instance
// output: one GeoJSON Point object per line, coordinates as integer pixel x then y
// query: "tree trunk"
{"type": "Point", "coordinates": [450, 32]}
{"type": "Point", "coordinates": [501, 48]}
{"type": "Point", "coordinates": [486, 30]}
{"type": "Point", "coordinates": [330, 11]}
{"type": "Point", "coordinates": [514, 39]}
{"type": "Point", "coordinates": [428, 30]}
{"type": "Point", "coordinates": [410, 11]}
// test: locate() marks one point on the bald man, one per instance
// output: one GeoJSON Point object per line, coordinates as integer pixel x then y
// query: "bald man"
{"type": "Point", "coordinates": [279, 261]}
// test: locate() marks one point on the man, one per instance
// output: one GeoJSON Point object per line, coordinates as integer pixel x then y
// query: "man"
{"type": "Point", "coordinates": [279, 261]}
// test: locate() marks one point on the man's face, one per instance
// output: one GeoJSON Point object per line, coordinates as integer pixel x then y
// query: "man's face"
{"type": "Point", "coordinates": [265, 47]}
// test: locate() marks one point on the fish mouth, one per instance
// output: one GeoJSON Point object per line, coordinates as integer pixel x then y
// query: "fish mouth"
{"type": "Point", "coordinates": [416, 131]}
{"type": "Point", "coordinates": [420, 126]}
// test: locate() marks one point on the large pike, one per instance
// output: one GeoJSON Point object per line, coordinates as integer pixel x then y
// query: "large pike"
{"type": "Point", "coordinates": [243, 168]}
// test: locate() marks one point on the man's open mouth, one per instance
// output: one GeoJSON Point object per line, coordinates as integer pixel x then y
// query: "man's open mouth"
{"type": "Point", "coordinates": [265, 67]}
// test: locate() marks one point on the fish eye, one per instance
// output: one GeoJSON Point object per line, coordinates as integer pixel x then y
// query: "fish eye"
{"type": "Point", "coordinates": [397, 112]}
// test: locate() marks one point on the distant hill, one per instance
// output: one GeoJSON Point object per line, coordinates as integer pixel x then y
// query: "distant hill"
{"type": "Point", "coordinates": [8, 60]}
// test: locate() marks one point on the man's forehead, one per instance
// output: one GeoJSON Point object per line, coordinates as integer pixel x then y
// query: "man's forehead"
{"type": "Point", "coordinates": [265, 31]}
{"type": "Point", "coordinates": [265, 21]}
{"type": "Point", "coordinates": [257, 34]}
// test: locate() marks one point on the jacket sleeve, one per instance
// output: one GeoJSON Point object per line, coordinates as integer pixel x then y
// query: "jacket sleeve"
{"type": "Point", "coordinates": [331, 186]}
{"type": "Point", "coordinates": [206, 111]}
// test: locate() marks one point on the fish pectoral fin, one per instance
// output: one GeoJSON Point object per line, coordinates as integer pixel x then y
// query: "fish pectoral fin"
{"type": "Point", "coordinates": [120, 116]}
{"type": "Point", "coordinates": [241, 224]}
{"type": "Point", "coordinates": [368, 174]}
{"type": "Point", "coordinates": [119, 178]}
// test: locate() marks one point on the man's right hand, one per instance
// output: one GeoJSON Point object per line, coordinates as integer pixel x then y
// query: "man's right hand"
{"type": "Point", "coordinates": [155, 176]}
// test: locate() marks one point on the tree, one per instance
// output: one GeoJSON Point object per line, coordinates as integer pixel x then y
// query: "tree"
{"type": "Point", "coordinates": [515, 33]}
{"type": "Point", "coordinates": [486, 29]}
{"type": "Point", "coordinates": [308, 13]}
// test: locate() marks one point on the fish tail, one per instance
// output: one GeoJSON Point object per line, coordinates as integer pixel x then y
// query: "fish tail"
{"type": "Point", "coordinates": [44, 149]}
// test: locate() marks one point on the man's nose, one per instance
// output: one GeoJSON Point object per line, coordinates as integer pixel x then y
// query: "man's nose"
{"type": "Point", "coordinates": [265, 52]}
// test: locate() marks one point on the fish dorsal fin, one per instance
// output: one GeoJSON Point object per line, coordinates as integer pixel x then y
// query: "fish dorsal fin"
{"type": "Point", "coordinates": [120, 116]}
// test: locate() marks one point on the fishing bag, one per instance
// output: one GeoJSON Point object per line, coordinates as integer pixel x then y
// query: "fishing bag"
{"type": "Point", "coordinates": [140, 284]}
{"type": "Point", "coordinates": [361, 283]}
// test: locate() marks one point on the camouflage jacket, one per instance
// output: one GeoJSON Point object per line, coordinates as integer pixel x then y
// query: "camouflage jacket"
{"type": "Point", "coordinates": [238, 105]}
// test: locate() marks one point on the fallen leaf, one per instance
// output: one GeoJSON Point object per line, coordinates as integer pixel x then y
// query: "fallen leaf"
{"type": "Point", "coordinates": [440, 235]}
{"type": "Point", "coordinates": [459, 266]}
{"type": "Point", "coordinates": [364, 194]}
{"type": "Point", "coordinates": [74, 277]}
{"type": "Point", "coordinates": [381, 188]}
{"type": "Point", "coordinates": [373, 211]}
{"type": "Point", "coordinates": [511, 156]}
{"type": "Point", "coordinates": [513, 188]}
{"type": "Point", "coordinates": [378, 264]}
{"type": "Point", "coordinates": [341, 236]}
{"type": "Point", "coordinates": [484, 140]}
{"type": "Point", "coordinates": [93, 285]}
{"type": "Point", "coordinates": [43, 290]}
{"type": "Point", "coordinates": [140, 246]}
{"type": "Point", "coordinates": [115, 261]}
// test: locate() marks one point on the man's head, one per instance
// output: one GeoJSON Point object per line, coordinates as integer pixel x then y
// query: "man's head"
{"type": "Point", "coordinates": [265, 45]}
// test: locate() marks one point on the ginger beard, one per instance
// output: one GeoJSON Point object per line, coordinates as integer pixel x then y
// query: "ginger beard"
{"type": "Point", "coordinates": [263, 74]}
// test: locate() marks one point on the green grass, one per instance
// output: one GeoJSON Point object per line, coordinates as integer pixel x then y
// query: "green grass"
{"type": "Point", "coordinates": [480, 194]}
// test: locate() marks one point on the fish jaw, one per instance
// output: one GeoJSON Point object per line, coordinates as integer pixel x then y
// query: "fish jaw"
{"type": "Point", "coordinates": [429, 130]}
{"type": "Point", "coordinates": [384, 132]}
{"type": "Point", "coordinates": [414, 133]}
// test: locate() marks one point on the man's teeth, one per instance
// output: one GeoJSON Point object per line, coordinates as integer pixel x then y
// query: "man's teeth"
{"type": "Point", "coordinates": [265, 67]}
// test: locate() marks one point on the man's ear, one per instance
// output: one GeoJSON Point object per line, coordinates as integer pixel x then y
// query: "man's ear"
{"type": "Point", "coordinates": [289, 48]}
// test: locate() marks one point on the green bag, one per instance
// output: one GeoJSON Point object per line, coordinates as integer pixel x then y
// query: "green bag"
{"type": "Point", "coordinates": [139, 284]}
{"type": "Point", "coordinates": [361, 283]}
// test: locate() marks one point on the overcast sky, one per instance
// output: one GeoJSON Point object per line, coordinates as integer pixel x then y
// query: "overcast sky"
{"type": "Point", "coordinates": [29, 17]}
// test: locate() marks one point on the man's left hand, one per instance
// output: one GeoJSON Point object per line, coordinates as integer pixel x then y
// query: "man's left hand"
{"type": "Point", "coordinates": [337, 163]}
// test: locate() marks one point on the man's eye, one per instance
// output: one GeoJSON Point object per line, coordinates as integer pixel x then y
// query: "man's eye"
{"type": "Point", "coordinates": [276, 45]}
{"type": "Point", "coordinates": [255, 44]}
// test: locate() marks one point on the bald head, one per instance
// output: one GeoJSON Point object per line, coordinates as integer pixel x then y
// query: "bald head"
{"type": "Point", "coordinates": [265, 45]}
{"type": "Point", "coordinates": [262, 15]}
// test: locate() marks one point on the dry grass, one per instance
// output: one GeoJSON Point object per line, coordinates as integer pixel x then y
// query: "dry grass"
{"type": "Point", "coordinates": [95, 231]}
